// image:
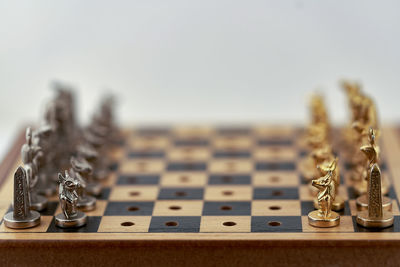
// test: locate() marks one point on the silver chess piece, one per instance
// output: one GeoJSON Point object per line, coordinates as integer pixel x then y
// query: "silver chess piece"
{"type": "Point", "coordinates": [91, 151]}
{"type": "Point", "coordinates": [43, 138]}
{"type": "Point", "coordinates": [30, 155]}
{"type": "Point", "coordinates": [81, 170]}
{"type": "Point", "coordinates": [91, 155]}
{"type": "Point", "coordinates": [22, 216]}
{"type": "Point", "coordinates": [70, 217]}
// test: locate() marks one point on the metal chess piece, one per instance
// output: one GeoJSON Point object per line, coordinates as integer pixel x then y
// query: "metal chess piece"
{"type": "Point", "coordinates": [371, 151]}
{"type": "Point", "coordinates": [100, 163]}
{"type": "Point", "coordinates": [30, 154]}
{"type": "Point", "coordinates": [81, 170]}
{"type": "Point", "coordinates": [42, 137]}
{"type": "Point", "coordinates": [324, 216]}
{"type": "Point", "coordinates": [90, 155]}
{"type": "Point", "coordinates": [338, 201]}
{"type": "Point", "coordinates": [22, 216]}
{"type": "Point", "coordinates": [375, 216]}
{"type": "Point", "coordinates": [70, 217]}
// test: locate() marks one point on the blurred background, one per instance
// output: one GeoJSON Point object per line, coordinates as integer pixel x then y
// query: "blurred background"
{"type": "Point", "coordinates": [205, 61]}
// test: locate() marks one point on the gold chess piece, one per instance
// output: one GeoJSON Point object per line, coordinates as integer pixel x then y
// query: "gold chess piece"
{"type": "Point", "coordinates": [317, 157]}
{"type": "Point", "coordinates": [338, 201]}
{"type": "Point", "coordinates": [375, 216]}
{"type": "Point", "coordinates": [371, 151]}
{"type": "Point", "coordinates": [324, 216]}
{"type": "Point", "coordinates": [370, 154]}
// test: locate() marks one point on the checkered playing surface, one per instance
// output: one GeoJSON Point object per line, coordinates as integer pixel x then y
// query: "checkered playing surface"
{"type": "Point", "coordinates": [208, 180]}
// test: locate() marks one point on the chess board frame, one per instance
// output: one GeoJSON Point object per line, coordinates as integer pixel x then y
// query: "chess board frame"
{"type": "Point", "coordinates": [203, 248]}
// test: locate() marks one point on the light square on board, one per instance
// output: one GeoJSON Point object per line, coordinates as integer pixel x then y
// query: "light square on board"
{"type": "Point", "coordinates": [183, 179]}
{"type": "Point", "coordinates": [41, 228]}
{"type": "Point", "coordinates": [188, 132]}
{"type": "Point", "coordinates": [220, 224]}
{"type": "Point", "coordinates": [276, 178]}
{"type": "Point", "coordinates": [274, 131]}
{"type": "Point", "coordinates": [276, 208]}
{"type": "Point", "coordinates": [150, 142]}
{"type": "Point", "coordinates": [275, 153]}
{"type": "Point", "coordinates": [231, 166]}
{"type": "Point", "coordinates": [134, 193]}
{"type": "Point", "coordinates": [232, 142]}
{"type": "Point", "coordinates": [189, 154]}
{"type": "Point", "coordinates": [178, 208]}
{"type": "Point", "coordinates": [142, 166]}
{"type": "Point", "coordinates": [128, 224]}
{"type": "Point", "coordinates": [228, 193]}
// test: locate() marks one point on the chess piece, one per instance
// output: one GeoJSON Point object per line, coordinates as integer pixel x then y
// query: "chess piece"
{"type": "Point", "coordinates": [100, 163]}
{"type": "Point", "coordinates": [338, 201]}
{"type": "Point", "coordinates": [86, 152]}
{"type": "Point", "coordinates": [22, 216]}
{"type": "Point", "coordinates": [70, 217]}
{"type": "Point", "coordinates": [324, 216]}
{"type": "Point", "coordinates": [42, 138]}
{"type": "Point", "coordinates": [371, 152]}
{"type": "Point", "coordinates": [30, 154]}
{"type": "Point", "coordinates": [316, 157]}
{"type": "Point", "coordinates": [81, 170]}
{"type": "Point", "coordinates": [375, 216]}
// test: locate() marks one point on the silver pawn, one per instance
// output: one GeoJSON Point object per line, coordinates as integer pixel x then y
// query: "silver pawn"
{"type": "Point", "coordinates": [81, 170]}
{"type": "Point", "coordinates": [22, 216]}
{"type": "Point", "coordinates": [70, 217]}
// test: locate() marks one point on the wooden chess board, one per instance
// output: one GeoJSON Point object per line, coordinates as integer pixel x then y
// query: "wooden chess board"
{"type": "Point", "coordinates": [207, 195]}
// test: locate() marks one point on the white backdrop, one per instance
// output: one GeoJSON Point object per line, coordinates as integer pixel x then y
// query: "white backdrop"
{"type": "Point", "coordinates": [197, 61]}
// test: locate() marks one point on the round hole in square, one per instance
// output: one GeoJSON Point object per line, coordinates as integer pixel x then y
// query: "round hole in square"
{"type": "Point", "coordinates": [274, 179]}
{"type": "Point", "coordinates": [184, 179]}
{"type": "Point", "coordinates": [142, 165]}
{"type": "Point", "coordinates": [133, 208]}
{"type": "Point", "coordinates": [227, 179]}
{"type": "Point", "coordinates": [227, 193]}
{"type": "Point", "coordinates": [134, 193]}
{"type": "Point", "coordinates": [127, 224]}
{"type": "Point", "coordinates": [175, 207]}
{"type": "Point", "coordinates": [226, 208]}
{"type": "Point", "coordinates": [274, 223]}
{"type": "Point", "coordinates": [274, 207]}
{"type": "Point", "coordinates": [180, 193]}
{"type": "Point", "coordinates": [277, 193]}
{"type": "Point", "coordinates": [170, 224]}
{"type": "Point", "coordinates": [229, 223]}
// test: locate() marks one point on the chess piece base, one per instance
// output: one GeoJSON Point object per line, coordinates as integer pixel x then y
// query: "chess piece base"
{"type": "Point", "coordinates": [362, 203]}
{"type": "Point", "coordinates": [87, 203]}
{"type": "Point", "coordinates": [38, 202]}
{"type": "Point", "coordinates": [93, 189]}
{"type": "Point", "coordinates": [79, 220]}
{"type": "Point", "coordinates": [314, 219]}
{"type": "Point", "coordinates": [32, 220]}
{"type": "Point", "coordinates": [337, 204]}
{"type": "Point", "coordinates": [386, 220]}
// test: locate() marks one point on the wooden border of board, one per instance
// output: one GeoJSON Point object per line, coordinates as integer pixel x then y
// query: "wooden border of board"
{"type": "Point", "coordinates": [203, 249]}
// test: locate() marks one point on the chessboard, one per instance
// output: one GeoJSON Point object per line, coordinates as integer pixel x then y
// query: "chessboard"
{"type": "Point", "coordinates": [210, 195]}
